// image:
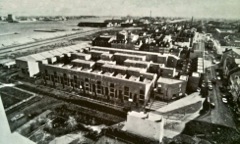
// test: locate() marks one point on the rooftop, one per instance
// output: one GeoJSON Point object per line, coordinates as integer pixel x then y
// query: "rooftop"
{"type": "Point", "coordinates": [236, 51]}
{"type": "Point", "coordinates": [196, 74]}
{"type": "Point", "coordinates": [137, 62]}
{"type": "Point", "coordinates": [129, 55]}
{"type": "Point", "coordinates": [168, 80]}
{"type": "Point", "coordinates": [83, 61]}
{"type": "Point", "coordinates": [183, 77]}
{"type": "Point", "coordinates": [125, 51]}
{"type": "Point", "coordinates": [237, 61]}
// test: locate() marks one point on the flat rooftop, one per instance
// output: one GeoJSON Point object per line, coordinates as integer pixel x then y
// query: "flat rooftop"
{"type": "Point", "coordinates": [127, 51]}
{"type": "Point", "coordinates": [168, 80]}
{"type": "Point", "coordinates": [129, 55]}
{"type": "Point", "coordinates": [137, 62]}
{"type": "Point", "coordinates": [106, 62]}
{"type": "Point", "coordinates": [83, 61]}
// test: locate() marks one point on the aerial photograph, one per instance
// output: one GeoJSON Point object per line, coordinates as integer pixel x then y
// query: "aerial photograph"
{"type": "Point", "coordinates": [119, 71]}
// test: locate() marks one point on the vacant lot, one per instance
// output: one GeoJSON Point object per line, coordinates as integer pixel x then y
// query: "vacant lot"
{"type": "Point", "coordinates": [11, 96]}
{"type": "Point", "coordinates": [8, 101]}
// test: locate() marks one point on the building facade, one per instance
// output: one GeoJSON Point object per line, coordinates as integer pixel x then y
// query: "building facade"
{"type": "Point", "coordinates": [168, 89]}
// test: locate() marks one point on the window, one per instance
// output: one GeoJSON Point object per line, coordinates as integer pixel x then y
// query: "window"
{"type": "Point", "coordinates": [111, 85]}
{"type": "Point", "coordinates": [75, 79]}
{"type": "Point", "coordinates": [142, 92]}
{"type": "Point", "coordinates": [99, 91]}
{"type": "Point", "coordinates": [64, 76]}
{"type": "Point", "coordinates": [52, 78]}
{"type": "Point", "coordinates": [112, 94]}
{"type": "Point", "coordinates": [46, 72]}
{"type": "Point", "coordinates": [99, 86]}
{"type": "Point", "coordinates": [86, 80]}
{"type": "Point", "coordinates": [99, 82]}
{"type": "Point", "coordinates": [55, 74]}
{"type": "Point", "coordinates": [23, 71]}
{"type": "Point", "coordinates": [111, 89]}
{"type": "Point", "coordinates": [126, 88]}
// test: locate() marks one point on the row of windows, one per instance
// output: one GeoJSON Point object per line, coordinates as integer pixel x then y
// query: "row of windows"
{"type": "Point", "coordinates": [99, 88]}
{"type": "Point", "coordinates": [56, 78]}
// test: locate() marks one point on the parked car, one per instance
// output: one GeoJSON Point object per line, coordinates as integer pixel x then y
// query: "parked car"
{"type": "Point", "coordinates": [224, 95]}
{"type": "Point", "coordinates": [203, 85]}
{"type": "Point", "coordinates": [224, 100]}
{"type": "Point", "coordinates": [210, 87]}
{"type": "Point", "coordinates": [198, 89]}
{"type": "Point", "coordinates": [212, 105]}
{"type": "Point", "coordinates": [214, 81]}
{"type": "Point", "coordinates": [218, 78]}
{"type": "Point", "coordinates": [17, 117]}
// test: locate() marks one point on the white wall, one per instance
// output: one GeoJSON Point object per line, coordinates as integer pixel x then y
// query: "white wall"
{"type": "Point", "coordinates": [33, 68]}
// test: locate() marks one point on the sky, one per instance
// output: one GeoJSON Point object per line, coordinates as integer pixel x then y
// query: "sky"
{"type": "Point", "coordinates": [175, 8]}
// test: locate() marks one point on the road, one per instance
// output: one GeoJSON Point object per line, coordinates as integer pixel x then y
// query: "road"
{"type": "Point", "coordinates": [221, 114]}
{"type": "Point", "coordinates": [38, 44]}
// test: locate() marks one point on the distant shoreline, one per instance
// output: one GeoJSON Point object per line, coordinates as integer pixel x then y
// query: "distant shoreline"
{"type": "Point", "coordinates": [3, 34]}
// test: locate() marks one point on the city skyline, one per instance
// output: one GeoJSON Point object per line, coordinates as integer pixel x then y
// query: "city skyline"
{"type": "Point", "coordinates": [173, 8]}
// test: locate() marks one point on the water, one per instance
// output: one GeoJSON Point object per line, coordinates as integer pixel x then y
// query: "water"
{"type": "Point", "coordinates": [27, 34]}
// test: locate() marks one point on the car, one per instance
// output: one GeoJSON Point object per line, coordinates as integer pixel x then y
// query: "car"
{"type": "Point", "coordinates": [212, 105]}
{"type": "Point", "coordinates": [218, 78]}
{"type": "Point", "coordinates": [210, 87]}
{"type": "Point", "coordinates": [224, 95]}
{"type": "Point", "coordinates": [203, 85]}
{"type": "Point", "coordinates": [17, 117]}
{"type": "Point", "coordinates": [224, 100]}
{"type": "Point", "coordinates": [198, 89]}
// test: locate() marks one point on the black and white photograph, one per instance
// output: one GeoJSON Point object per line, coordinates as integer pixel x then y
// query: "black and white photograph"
{"type": "Point", "coordinates": [119, 71]}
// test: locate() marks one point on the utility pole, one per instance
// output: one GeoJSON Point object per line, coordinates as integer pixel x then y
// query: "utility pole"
{"type": "Point", "coordinates": [150, 13]}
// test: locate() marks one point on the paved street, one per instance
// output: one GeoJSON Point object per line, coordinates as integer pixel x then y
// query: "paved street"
{"type": "Point", "coordinates": [221, 114]}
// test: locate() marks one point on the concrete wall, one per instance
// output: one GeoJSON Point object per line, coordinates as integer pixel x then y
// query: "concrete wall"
{"type": "Point", "coordinates": [33, 68]}
{"type": "Point", "coordinates": [23, 67]}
